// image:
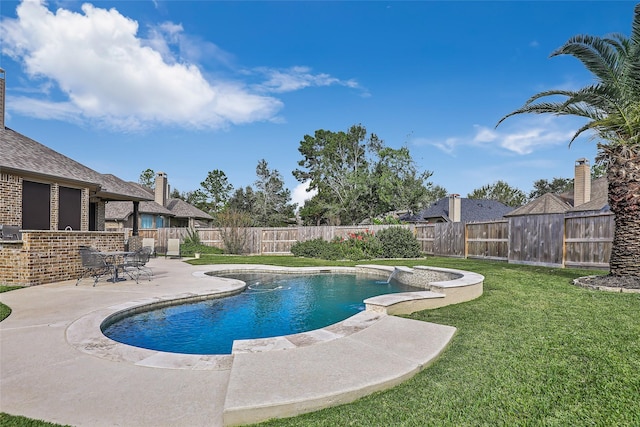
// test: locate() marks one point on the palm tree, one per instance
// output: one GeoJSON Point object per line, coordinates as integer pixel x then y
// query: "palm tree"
{"type": "Point", "coordinates": [612, 106]}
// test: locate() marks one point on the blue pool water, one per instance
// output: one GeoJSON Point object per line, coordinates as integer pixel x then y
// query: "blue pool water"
{"type": "Point", "coordinates": [272, 305]}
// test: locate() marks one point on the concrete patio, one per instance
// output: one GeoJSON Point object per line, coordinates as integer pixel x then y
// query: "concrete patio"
{"type": "Point", "coordinates": [55, 364]}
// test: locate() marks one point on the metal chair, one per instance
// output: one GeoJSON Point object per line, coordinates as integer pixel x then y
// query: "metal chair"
{"type": "Point", "coordinates": [93, 264]}
{"type": "Point", "coordinates": [135, 264]}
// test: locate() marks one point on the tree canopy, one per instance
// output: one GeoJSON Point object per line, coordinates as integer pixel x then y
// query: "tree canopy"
{"type": "Point", "coordinates": [555, 186]}
{"type": "Point", "coordinates": [502, 192]}
{"type": "Point", "coordinates": [147, 178]}
{"type": "Point", "coordinates": [357, 177]}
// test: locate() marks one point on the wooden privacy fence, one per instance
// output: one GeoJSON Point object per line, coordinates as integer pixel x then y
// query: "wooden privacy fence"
{"type": "Point", "coordinates": [553, 240]}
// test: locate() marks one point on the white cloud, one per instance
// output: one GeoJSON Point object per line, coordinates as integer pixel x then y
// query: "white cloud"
{"type": "Point", "coordinates": [519, 135]}
{"type": "Point", "coordinates": [525, 135]}
{"type": "Point", "coordinates": [448, 145]}
{"type": "Point", "coordinates": [296, 78]}
{"type": "Point", "coordinates": [484, 134]}
{"type": "Point", "coordinates": [111, 76]}
{"type": "Point", "coordinates": [300, 194]}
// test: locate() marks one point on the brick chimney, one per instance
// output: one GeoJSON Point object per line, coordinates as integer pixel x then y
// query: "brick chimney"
{"type": "Point", "coordinates": [455, 210]}
{"type": "Point", "coordinates": [582, 182]}
{"type": "Point", "coordinates": [2, 96]}
{"type": "Point", "coordinates": [162, 189]}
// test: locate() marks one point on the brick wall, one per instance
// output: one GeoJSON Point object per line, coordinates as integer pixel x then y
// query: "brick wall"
{"type": "Point", "coordinates": [10, 199]}
{"type": "Point", "coordinates": [11, 204]}
{"type": "Point", "coordinates": [55, 206]}
{"type": "Point", "coordinates": [50, 256]}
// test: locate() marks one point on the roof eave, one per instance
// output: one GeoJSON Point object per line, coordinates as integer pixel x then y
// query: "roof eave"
{"type": "Point", "coordinates": [48, 177]}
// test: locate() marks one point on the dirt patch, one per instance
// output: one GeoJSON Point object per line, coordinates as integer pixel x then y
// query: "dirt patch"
{"type": "Point", "coordinates": [610, 283]}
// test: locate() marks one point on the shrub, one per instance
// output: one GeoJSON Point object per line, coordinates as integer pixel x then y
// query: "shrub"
{"type": "Point", "coordinates": [360, 245]}
{"type": "Point", "coordinates": [317, 248]}
{"type": "Point", "coordinates": [398, 242]}
{"type": "Point", "coordinates": [234, 229]}
{"type": "Point", "coordinates": [394, 242]}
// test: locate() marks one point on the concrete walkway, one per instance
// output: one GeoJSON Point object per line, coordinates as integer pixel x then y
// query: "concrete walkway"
{"type": "Point", "coordinates": [56, 365]}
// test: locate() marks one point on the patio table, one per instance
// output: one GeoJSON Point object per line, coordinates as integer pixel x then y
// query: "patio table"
{"type": "Point", "coordinates": [115, 259]}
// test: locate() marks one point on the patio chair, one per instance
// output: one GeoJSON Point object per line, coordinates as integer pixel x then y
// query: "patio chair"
{"type": "Point", "coordinates": [173, 248]}
{"type": "Point", "coordinates": [135, 264]}
{"type": "Point", "coordinates": [150, 242]}
{"type": "Point", "coordinates": [93, 264]}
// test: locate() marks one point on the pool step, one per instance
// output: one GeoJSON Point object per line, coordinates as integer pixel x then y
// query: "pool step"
{"type": "Point", "coordinates": [405, 302]}
{"type": "Point", "coordinates": [288, 382]}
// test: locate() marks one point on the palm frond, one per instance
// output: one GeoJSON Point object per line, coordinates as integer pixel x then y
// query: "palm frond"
{"type": "Point", "coordinates": [612, 103]}
{"type": "Point", "coordinates": [635, 27]}
{"type": "Point", "coordinates": [597, 55]}
{"type": "Point", "coordinates": [547, 93]}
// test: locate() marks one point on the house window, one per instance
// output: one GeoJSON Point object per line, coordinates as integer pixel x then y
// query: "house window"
{"type": "Point", "coordinates": [69, 208]}
{"type": "Point", "coordinates": [159, 222]}
{"type": "Point", "coordinates": [146, 221]}
{"type": "Point", "coordinates": [36, 206]}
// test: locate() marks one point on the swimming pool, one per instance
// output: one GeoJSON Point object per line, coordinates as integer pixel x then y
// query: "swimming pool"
{"type": "Point", "coordinates": [272, 305]}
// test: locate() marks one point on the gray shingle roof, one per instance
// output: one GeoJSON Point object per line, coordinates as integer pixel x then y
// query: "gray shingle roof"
{"type": "Point", "coordinates": [546, 204]}
{"type": "Point", "coordinates": [599, 197]}
{"type": "Point", "coordinates": [23, 155]}
{"type": "Point", "coordinates": [471, 210]}
{"type": "Point", "coordinates": [121, 210]}
{"type": "Point", "coordinates": [560, 203]}
{"type": "Point", "coordinates": [182, 209]}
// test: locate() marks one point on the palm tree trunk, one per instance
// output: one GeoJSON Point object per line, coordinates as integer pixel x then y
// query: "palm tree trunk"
{"type": "Point", "coordinates": [623, 173]}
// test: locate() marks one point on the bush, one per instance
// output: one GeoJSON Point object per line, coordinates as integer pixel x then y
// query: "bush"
{"type": "Point", "coordinates": [394, 242]}
{"type": "Point", "coordinates": [360, 245]}
{"type": "Point", "coordinates": [398, 242]}
{"type": "Point", "coordinates": [317, 248]}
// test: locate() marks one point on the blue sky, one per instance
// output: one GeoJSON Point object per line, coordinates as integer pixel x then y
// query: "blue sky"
{"type": "Point", "coordinates": [185, 87]}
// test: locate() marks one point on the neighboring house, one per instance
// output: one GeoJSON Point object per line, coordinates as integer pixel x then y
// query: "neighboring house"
{"type": "Point", "coordinates": [588, 196]}
{"type": "Point", "coordinates": [41, 189]}
{"type": "Point", "coordinates": [457, 209]}
{"type": "Point", "coordinates": [119, 215]}
{"type": "Point", "coordinates": [160, 213]}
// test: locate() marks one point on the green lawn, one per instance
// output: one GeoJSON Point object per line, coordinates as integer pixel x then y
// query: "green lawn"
{"type": "Point", "coordinates": [534, 350]}
{"type": "Point", "coordinates": [4, 310]}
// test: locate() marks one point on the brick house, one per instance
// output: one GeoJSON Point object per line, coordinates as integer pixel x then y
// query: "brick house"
{"type": "Point", "coordinates": [57, 203]}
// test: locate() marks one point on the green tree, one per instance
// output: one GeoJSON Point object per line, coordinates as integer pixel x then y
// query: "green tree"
{"type": "Point", "coordinates": [397, 182]}
{"type": "Point", "coordinates": [215, 190]}
{"type": "Point", "coordinates": [243, 200]}
{"type": "Point", "coordinates": [555, 186]}
{"type": "Point", "coordinates": [611, 106]}
{"type": "Point", "coordinates": [598, 170]}
{"type": "Point", "coordinates": [314, 212]}
{"type": "Point", "coordinates": [434, 193]}
{"type": "Point", "coordinates": [502, 192]}
{"type": "Point", "coordinates": [272, 207]}
{"type": "Point", "coordinates": [336, 164]}
{"type": "Point", "coordinates": [147, 178]}
{"type": "Point", "coordinates": [357, 177]}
